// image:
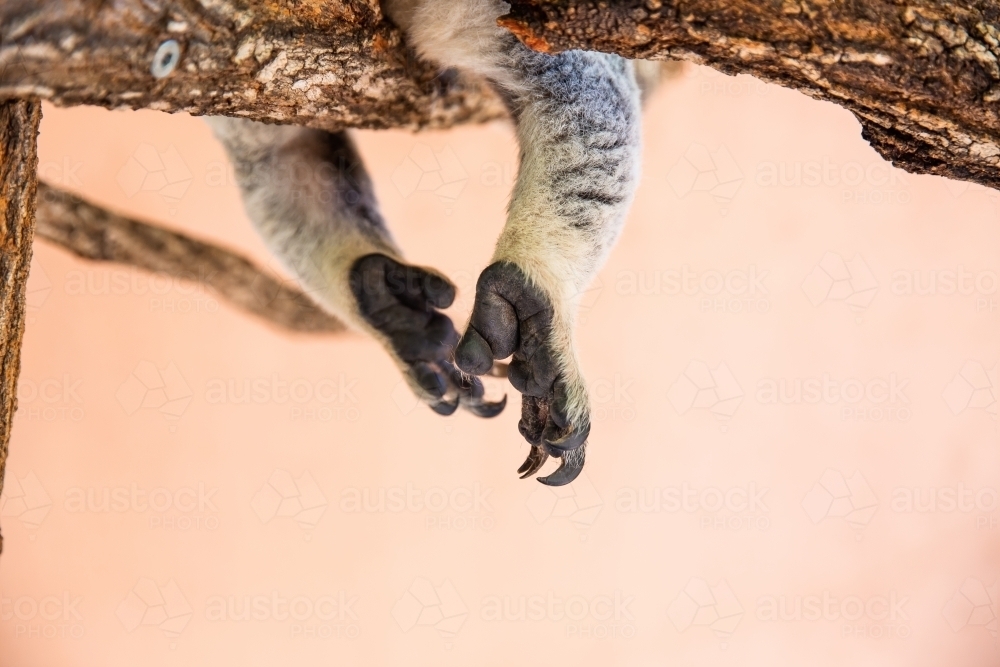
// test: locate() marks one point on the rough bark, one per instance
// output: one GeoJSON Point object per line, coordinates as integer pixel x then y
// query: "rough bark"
{"type": "Point", "coordinates": [18, 168]}
{"type": "Point", "coordinates": [94, 233]}
{"type": "Point", "coordinates": [324, 63]}
{"type": "Point", "coordinates": [922, 76]}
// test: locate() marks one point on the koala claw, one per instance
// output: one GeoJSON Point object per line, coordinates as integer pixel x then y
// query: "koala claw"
{"type": "Point", "coordinates": [568, 470]}
{"type": "Point", "coordinates": [511, 316]}
{"type": "Point", "coordinates": [536, 459]}
{"type": "Point", "coordinates": [401, 302]}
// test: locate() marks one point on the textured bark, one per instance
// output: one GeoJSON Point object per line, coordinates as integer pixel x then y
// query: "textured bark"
{"type": "Point", "coordinates": [94, 233]}
{"type": "Point", "coordinates": [921, 76]}
{"type": "Point", "coordinates": [324, 63]}
{"type": "Point", "coordinates": [18, 168]}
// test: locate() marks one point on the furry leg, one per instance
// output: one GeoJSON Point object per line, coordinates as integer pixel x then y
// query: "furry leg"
{"type": "Point", "coordinates": [309, 196]}
{"type": "Point", "coordinates": [578, 125]}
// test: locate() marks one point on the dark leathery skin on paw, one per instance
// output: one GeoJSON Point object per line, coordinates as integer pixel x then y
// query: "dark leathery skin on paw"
{"type": "Point", "coordinates": [512, 317]}
{"type": "Point", "coordinates": [401, 302]}
{"type": "Point", "coordinates": [394, 299]}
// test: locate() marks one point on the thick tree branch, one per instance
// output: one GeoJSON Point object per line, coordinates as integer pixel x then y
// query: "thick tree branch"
{"type": "Point", "coordinates": [922, 76]}
{"type": "Point", "coordinates": [18, 178]}
{"type": "Point", "coordinates": [326, 63]}
{"type": "Point", "coordinates": [94, 233]}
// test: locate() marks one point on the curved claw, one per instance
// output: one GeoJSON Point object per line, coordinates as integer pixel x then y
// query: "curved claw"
{"type": "Point", "coordinates": [444, 407]}
{"type": "Point", "coordinates": [470, 392]}
{"type": "Point", "coordinates": [572, 466]}
{"type": "Point", "coordinates": [484, 409]}
{"type": "Point", "coordinates": [568, 440]}
{"type": "Point", "coordinates": [536, 459]}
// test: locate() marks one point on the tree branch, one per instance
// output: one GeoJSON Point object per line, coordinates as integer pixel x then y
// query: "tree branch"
{"type": "Point", "coordinates": [325, 63]}
{"type": "Point", "coordinates": [922, 76]}
{"type": "Point", "coordinates": [94, 233]}
{"type": "Point", "coordinates": [18, 178]}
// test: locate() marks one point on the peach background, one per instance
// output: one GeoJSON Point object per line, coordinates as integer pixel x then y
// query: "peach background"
{"type": "Point", "coordinates": [421, 586]}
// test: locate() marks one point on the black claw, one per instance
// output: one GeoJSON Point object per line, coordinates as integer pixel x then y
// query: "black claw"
{"type": "Point", "coordinates": [567, 440]}
{"type": "Point", "coordinates": [485, 409]}
{"type": "Point", "coordinates": [572, 466]}
{"type": "Point", "coordinates": [429, 379]}
{"type": "Point", "coordinates": [445, 408]}
{"type": "Point", "coordinates": [536, 459]}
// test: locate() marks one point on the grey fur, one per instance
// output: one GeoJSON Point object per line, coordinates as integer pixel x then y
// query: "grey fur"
{"type": "Point", "coordinates": [577, 117]}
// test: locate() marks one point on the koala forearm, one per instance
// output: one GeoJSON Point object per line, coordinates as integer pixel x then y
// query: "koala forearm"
{"type": "Point", "coordinates": [578, 125]}
{"type": "Point", "coordinates": [309, 196]}
{"type": "Point", "coordinates": [577, 117]}
{"type": "Point", "coordinates": [579, 165]}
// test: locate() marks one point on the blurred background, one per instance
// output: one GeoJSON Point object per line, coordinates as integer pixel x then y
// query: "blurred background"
{"type": "Point", "coordinates": [792, 357]}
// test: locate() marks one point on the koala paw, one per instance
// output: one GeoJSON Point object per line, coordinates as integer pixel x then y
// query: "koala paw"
{"type": "Point", "coordinates": [511, 316]}
{"type": "Point", "coordinates": [401, 302]}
